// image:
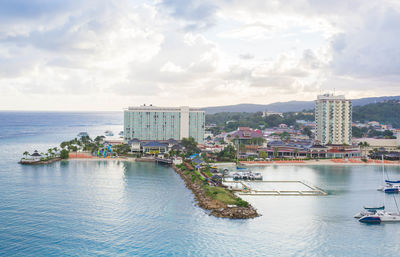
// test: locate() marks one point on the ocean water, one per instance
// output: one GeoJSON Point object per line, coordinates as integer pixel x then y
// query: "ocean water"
{"type": "Point", "coordinates": [115, 208]}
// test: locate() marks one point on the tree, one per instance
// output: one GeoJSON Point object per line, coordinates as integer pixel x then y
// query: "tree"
{"type": "Point", "coordinates": [307, 131]}
{"type": "Point", "coordinates": [227, 154]}
{"type": "Point", "coordinates": [25, 154]}
{"type": "Point", "coordinates": [190, 145]}
{"type": "Point", "coordinates": [285, 136]}
{"type": "Point", "coordinates": [263, 154]}
{"type": "Point", "coordinates": [275, 152]}
{"type": "Point", "coordinates": [64, 144]}
{"type": "Point", "coordinates": [64, 154]}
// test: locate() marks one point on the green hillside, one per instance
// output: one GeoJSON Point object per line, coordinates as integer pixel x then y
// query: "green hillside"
{"type": "Point", "coordinates": [386, 112]}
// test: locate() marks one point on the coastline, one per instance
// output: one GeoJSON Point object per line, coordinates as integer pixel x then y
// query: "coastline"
{"type": "Point", "coordinates": [232, 164]}
{"type": "Point", "coordinates": [304, 163]}
{"type": "Point", "coordinates": [216, 208]}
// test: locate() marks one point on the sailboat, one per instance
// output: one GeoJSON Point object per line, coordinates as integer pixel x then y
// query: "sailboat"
{"type": "Point", "coordinates": [392, 186]}
{"type": "Point", "coordinates": [378, 214]}
{"type": "Point", "coordinates": [381, 216]}
{"type": "Point", "coordinates": [237, 159]}
{"type": "Point", "coordinates": [369, 211]}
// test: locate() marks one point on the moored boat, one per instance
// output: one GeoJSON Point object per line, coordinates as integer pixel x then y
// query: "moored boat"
{"type": "Point", "coordinates": [380, 216]}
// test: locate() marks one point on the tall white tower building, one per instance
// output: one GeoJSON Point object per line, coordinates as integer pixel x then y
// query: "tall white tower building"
{"type": "Point", "coordinates": [333, 119]}
{"type": "Point", "coordinates": [163, 123]}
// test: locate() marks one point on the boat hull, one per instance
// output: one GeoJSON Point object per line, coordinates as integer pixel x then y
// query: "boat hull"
{"type": "Point", "coordinates": [391, 190]}
{"type": "Point", "coordinates": [370, 219]}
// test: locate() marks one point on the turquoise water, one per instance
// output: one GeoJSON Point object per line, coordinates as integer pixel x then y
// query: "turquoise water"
{"type": "Point", "coordinates": [114, 208]}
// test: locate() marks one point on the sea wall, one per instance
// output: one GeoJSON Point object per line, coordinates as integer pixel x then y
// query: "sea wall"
{"type": "Point", "coordinates": [216, 208]}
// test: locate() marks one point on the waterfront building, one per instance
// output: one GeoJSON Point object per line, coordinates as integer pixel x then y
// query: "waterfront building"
{"type": "Point", "coordinates": [370, 144]}
{"type": "Point", "coordinates": [36, 156]}
{"type": "Point", "coordinates": [269, 113]}
{"type": "Point", "coordinates": [163, 123]}
{"type": "Point", "coordinates": [333, 119]}
{"type": "Point", "coordinates": [244, 135]}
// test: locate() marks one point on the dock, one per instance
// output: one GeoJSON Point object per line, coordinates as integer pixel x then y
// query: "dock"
{"type": "Point", "coordinates": [252, 188]}
{"type": "Point", "coordinates": [163, 161]}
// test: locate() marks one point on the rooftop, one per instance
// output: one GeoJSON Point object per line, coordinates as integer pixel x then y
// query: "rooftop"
{"type": "Point", "coordinates": [162, 109]}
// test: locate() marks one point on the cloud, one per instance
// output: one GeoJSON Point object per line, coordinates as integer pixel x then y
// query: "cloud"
{"type": "Point", "coordinates": [116, 53]}
{"type": "Point", "coordinates": [246, 56]}
{"type": "Point", "coordinates": [369, 50]}
{"type": "Point", "coordinates": [198, 14]}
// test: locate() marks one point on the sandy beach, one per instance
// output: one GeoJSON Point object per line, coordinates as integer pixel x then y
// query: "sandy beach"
{"type": "Point", "coordinates": [331, 162]}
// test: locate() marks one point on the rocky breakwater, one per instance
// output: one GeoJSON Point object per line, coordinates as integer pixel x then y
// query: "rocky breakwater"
{"type": "Point", "coordinates": [39, 162]}
{"type": "Point", "coordinates": [216, 207]}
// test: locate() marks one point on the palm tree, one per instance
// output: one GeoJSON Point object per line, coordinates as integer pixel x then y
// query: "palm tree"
{"type": "Point", "coordinates": [25, 154]}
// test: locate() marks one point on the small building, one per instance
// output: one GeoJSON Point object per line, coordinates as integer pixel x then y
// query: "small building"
{"type": "Point", "coordinates": [135, 145]}
{"type": "Point", "coordinates": [318, 151]}
{"type": "Point", "coordinates": [113, 141]}
{"type": "Point", "coordinates": [378, 144]}
{"type": "Point", "coordinates": [244, 134]}
{"type": "Point", "coordinates": [154, 147]}
{"type": "Point", "coordinates": [177, 160]}
{"type": "Point", "coordinates": [269, 113]}
{"type": "Point", "coordinates": [35, 156]}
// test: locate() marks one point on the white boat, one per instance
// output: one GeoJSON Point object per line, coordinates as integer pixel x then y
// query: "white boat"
{"type": "Point", "coordinates": [109, 133]}
{"type": "Point", "coordinates": [391, 189]}
{"type": "Point", "coordinates": [368, 211]}
{"type": "Point", "coordinates": [378, 214]}
{"type": "Point", "coordinates": [381, 216]}
{"type": "Point", "coordinates": [258, 176]}
{"type": "Point", "coordinates": [389, 186]}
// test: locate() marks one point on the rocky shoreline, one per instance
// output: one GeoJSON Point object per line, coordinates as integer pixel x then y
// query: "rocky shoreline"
{"type": "Point", "coordinates": [216, 208]}
{"type": "Point", "coordinates": [27, 162]}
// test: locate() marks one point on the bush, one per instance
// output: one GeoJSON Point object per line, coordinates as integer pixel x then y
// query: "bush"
{"type": "Point", "coordinates": [241, 203]}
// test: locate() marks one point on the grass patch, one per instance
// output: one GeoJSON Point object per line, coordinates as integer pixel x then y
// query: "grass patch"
{"type": "Point", "coordinates": [208, 173]}
{"type": "Point", "coordinates": [220, 194]}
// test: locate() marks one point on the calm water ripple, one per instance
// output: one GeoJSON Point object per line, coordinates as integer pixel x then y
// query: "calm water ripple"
{"type": "Point", "coordinates": [114, 208]}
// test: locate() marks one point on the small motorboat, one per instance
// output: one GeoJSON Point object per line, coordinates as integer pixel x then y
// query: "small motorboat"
{"type": "Point", "coordinates": [236, 176]}
{"type": "Point", "coordinates": [258, 176]}
{"type": "Point", "coordinates": [377, 208]}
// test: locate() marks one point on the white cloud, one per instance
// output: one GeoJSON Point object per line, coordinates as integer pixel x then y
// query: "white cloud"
{"type": "Point", "coordinates": [110, 54]}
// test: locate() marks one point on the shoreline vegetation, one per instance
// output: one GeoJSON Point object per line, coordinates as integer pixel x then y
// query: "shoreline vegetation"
{"type": "Point", "coordinates": [220, 201]}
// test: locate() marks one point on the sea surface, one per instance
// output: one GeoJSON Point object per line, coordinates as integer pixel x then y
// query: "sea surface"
{"type": "Point", "coordinates": [115, 208]}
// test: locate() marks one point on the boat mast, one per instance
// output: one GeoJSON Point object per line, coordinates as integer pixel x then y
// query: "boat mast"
{"type": "Point", "coordinates": [383, 180]}
{"type": "Point", "coordinates": [383, 171]}
{"type": "Point", "coordinates": [237, 153]}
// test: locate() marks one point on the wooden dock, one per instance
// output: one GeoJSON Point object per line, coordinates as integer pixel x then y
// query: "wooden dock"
{"type": "Point", "coordinates": [246, 189]}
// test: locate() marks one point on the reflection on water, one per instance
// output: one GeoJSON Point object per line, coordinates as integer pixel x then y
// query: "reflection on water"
{"type": "Point", "coordinates": [115, 207]}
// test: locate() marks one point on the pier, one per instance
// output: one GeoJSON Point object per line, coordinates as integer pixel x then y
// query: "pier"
{"type": "Point", "coordinates": [274, 188]}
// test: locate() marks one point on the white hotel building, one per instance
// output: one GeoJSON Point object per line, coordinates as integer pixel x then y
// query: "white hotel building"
{"type": "Point", "coordinates": [163, 123]}
{"type": "Point", "coordinates": [333, 119]}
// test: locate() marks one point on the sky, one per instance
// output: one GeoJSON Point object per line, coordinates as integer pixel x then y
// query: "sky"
{"type": "Point", "coordinates": [108, 55]}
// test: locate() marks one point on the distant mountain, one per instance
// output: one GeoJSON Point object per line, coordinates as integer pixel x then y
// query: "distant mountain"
{"type": "Point", "coordinates": [291, 106]}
